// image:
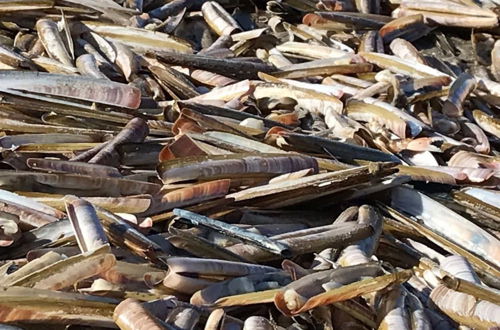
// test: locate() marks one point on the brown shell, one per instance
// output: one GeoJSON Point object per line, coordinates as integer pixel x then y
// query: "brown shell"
{"type": "Point", "coordinates": [233, 166]}
{"type": "Point", "coordinates": [194, 194]}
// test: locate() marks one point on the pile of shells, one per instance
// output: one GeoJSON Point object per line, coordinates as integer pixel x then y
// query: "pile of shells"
{"type": "Point", "coordinates": [286, 164]}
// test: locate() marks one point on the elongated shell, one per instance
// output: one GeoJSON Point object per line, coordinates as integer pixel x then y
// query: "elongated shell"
{"type": "Point", "coordinates": [72, 167]}
{"type": "Point", "coordinates": [31, 267]}
{"type": "Point", "coordinates": [40, 306]}
{"type": "Point", "coordinates": [126, 60]}
{"type": "Point", "coordinates": [218, 18]}
{"type": "Point", "coordinates": [140, 40]}
{"type": "Point", "coordinates": [450, 13]}
{"type": "Point", "coordinates": [310, 51]}
{"type": "Point", "coordinates": [406, 51]}
{"type": "Point", "coordinates": [194, 194]}
{"type": "Point", "coordinates": [65, 273]}
{"type": "Point", "coordinates": [459, 90]}
{"type": "Point", "coordinates": [223, 166]}
{"type": "Point", "coordinates": [361, 251]}
{"type": "Point", "coordinates": [488, 123]}
{"type": "Point", "coordinates": [397, 120]}
{"type": "Point", "coordinates": [26, 216]}
{"type": "Point", "coordinates": [136, 130]}
{"type": "Point", "coordinates": [239, 285]}
{"type": "Point", "coordinates": [87, 66]}
{"type": "Point", "coordinates": [81, 88]}
{"type": "Point", "coordinates": [455, 228]}
{"type": "Point", "coordinates": [296, 294]}
{"type": "Point", "coordinates": [402, 28]}
{"type": "Point", "coordinates": [209, 271]}
{"type": "Point", "coordinates": [88, 229]}
{"type": "Point", "coordinates": [52, 41]}
{"type": "Point", "coordinates": [10, 57]}
{"type": "Point", "coordinates": [394, 311]}
{"type": "Point", "coordinates": [344, 292]}
{"type": "Point", "coordinates": [84, 185]}
{"type": "Point", "coordinates": [215, 267]}
{"type": "Point", "coordinates": [491, 197]}
{"type": "Point", "coordinates": [31, 203]}
{"type": "Point", "coordinates": [402, 66]}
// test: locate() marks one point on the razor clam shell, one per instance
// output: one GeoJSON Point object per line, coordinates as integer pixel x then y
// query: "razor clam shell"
{"type": "Point", "coordinates": [83, 185]}
{"type": "Point", "coordinates": [192, 195]}
{"type": "Point", "coordinates": [459, 267]}
{"type": "Point", "coordinates": [62, 166]}
{"type": "Point", "coordinates": [14, 141]}
{"type": "Point", "coordinates": [487, 196]}
{"type": "Point", "coordinates": [87, 66]}
{"type": "Point", "coordinates": [255, 239]}
{"type": "Point", "coordinates": [360, 19]}
{"type": "Point", "coordinates": [54, 66]}
{"type": "Point", "coordinates": [64, 273]}
{"type": "Point", "coordinates": [200, 246]}
{"type": "Point", "coordinates": [93, 90]}
{"type": "Point", "coordinates": [32, 266]}
{"type": "Point", "coordinates": [460, 88]}
{"type": "Point", "coordinates": [40, 237]}
{"type": "Point", "coordinates": [227, 112]}
{"type": "Point", "coordinates": [9, 6]}
{"type": "Point", "coordinates": [404, 27]}
{"type": "Point", "coordinates": [321, 68]}
{"type": "Point", "coordinates": [450, 13]}
{"type": "Point", "coordinates": [10, 57]}
{"type": "Point", "coordinates": [488, 123]}
{"type": "Point", "coordinates": [59, 307]}
{"type": "Point", "coordinates": [87, 226]}
{"type": "Point", "coordinates": [232, 166]}
{"type": "Point", "coordinates": [406, 51]}
{"type": "Point", "coordinates": [239, 285]}
{"type": "Point", "coordinates": [345, 292]}
{"type": "Point", "coordinates": [52, 41]}
{"type": "Point", "coordinates": [28, 202]}
{"type": "Point", "coordinates": [402, 66]}
{"type": "Point", "coordinates": [393, 308]}
{"type": "Point", "coordinates": [28, 217]}
{"type": "Point", "coordinates": [311, 51]}
{"type": "Point", "coordinates": [140, 40]}
{"type": "Point", "coordinates": [246, 69]}
{"type": "Point", "coordinates": [136, 130]}
{"type": "Point", "coordinates": [124, 234]}
{"type": "Point", "coordinates": [457, 229]}
{"type": "Point", "coordinates": [218, 18]}
{"type": "Point", "coordinates": [209, 268]}
{"type": "Point", "coordinates": [311, 285]}
{"type": "Point", "coordinates": [360, 252]}
{"type": "Point", "coordinates": [307, 243]}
